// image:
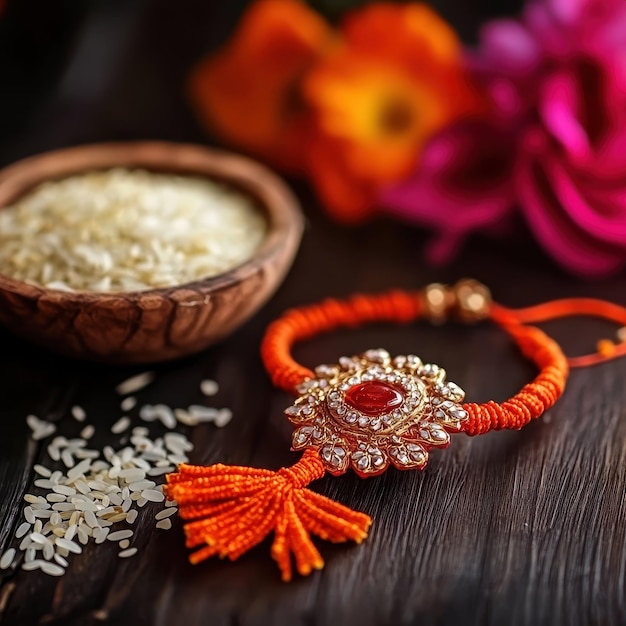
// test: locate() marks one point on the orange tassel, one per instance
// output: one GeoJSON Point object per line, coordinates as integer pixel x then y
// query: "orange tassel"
{"type": "Point", "coordinates": [234, 508]}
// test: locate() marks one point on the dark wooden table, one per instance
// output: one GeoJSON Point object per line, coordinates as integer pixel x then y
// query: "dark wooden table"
{"type": "Point", "coordinates": [511, 528]}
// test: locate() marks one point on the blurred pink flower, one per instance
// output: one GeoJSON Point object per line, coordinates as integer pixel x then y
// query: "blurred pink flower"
{"type": "Point", "coordinates": [555, 145]}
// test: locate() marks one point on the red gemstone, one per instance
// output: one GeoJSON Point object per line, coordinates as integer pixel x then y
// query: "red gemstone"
{"type": "Point", "coordinates": [374, 398]}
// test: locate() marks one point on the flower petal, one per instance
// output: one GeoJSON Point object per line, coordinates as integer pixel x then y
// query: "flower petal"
{"type": "Point", "coordinates": [560, 109]}
{"type": "Point", "coordinates": [562, 239]}
{"type": "Point", "coordinates": [462, 184]}
{"type": "Point", "coordinates": [508, 45]}
{"type": "Point", "coordinates": [248, 91]}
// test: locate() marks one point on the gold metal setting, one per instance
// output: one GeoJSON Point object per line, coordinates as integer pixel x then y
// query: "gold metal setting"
{"type": "Point", "coordinates": [347, 436]}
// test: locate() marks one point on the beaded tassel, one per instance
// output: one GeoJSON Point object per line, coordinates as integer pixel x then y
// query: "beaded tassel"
{"type": "Point", "coordinates": [234, 508]}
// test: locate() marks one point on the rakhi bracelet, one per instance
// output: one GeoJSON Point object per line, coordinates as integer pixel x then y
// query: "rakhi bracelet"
{"type": "Point", "coordinates": [367, 413]}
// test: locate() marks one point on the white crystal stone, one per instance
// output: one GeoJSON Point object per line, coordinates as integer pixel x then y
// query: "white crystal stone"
{"type": "Point", "coordinates": [378, 355]}
{"type": "Point", "coordinates": [333, 454]}
{"type": "Point", "coordinates": [326, 370]}
{"type": "Point", "coordinates": [346, 363]}
{"type": "Point", "coordinates": [307, 385]}
{"type": "Point", "coordinates": [363, 462]}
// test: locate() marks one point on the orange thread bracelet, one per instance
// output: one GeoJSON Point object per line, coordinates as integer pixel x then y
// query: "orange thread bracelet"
{"type": "Point", "coordinates": [368, 412]}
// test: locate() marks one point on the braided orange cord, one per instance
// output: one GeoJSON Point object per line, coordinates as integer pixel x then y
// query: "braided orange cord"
{"type": "Point", "coordinates": [306, 322]}
{"type": "Point", "coordinates": [402, 307]}
{"type": "Point", "coordinates": [572, 307]}
{"type": "Point", "coordinates": [534, 398]}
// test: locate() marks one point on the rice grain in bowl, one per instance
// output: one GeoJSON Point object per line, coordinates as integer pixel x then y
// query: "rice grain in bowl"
{"type": "Point", "coordinates": [72, 297]}
{"type": "Point", "coordinates": [127, 230]}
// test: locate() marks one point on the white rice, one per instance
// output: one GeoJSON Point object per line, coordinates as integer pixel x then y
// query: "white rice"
{"type": "Point", "coordinates": [119, 535]}
{"type": "Point", "coordinates": [52, 569]}
{"type": "Point", "coordinates": [209, 387]}
{"type": "Point", "coordinates": [88, 431]}
{"type": "Point", "coordinates": [127, 553]}
{"type": "Point", "coordinates": [121, 425]}
{"type": "Point", "coordinates": [135, 383]}
{"type": "Point", "coordinates": [163, 513]}
{"type": "Point", "coordinates": [164, 524]}
{"type": "Point", "coordinates": [78, 413]}
{"type": "Point", "coordinates": [166, 229]}
{"type": "Point", "coordinates": [127, 404]}
{"type": "Point", "coordinates": [40, 428]}
{"type": "Point", "coordinates": [85, 501]}
{"type": "Point", "coordinates": [7, 558]}
{"type": "Point", "coordinates": [42, 471]}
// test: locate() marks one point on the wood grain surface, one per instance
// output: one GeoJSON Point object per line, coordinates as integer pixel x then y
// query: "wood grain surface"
{"type": "Point", "coordinates": [511, 528]}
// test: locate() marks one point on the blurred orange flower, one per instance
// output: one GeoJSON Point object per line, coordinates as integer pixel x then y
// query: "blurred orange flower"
{"type": "Point", "coordinates": [248, 93]}
{"type": "Point", "coordinates": [396, 80]}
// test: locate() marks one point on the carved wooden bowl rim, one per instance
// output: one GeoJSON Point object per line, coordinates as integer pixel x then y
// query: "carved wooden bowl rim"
{"type": "Point", "coordinates": [285, 221]}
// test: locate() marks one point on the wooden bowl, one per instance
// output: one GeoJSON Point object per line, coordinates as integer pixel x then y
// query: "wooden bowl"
{"type": "Point", "coordinates": [159, 324]}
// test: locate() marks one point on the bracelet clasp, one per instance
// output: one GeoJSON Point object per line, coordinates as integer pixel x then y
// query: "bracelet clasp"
{"type": "Point", "coordinates": [468, 300]}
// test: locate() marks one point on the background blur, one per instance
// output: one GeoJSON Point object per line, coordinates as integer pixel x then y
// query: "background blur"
{"type": "Point", "coordinates": [78, 71]}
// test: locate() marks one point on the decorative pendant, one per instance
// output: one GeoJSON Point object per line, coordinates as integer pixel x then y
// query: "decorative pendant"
{"type": "Point", "coordinates": [370, 410]}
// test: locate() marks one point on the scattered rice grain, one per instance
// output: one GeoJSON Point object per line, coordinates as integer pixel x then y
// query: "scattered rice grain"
{"type": "Point", "coordinates": [164, 513]}
{"type": "Point", "coordinates": [166, 415]}
{"type": "Point", "coordinates": [78, 413]}
{"type": "Point", "coordinates": [88, 431]}
{"type": "Point", "coordinates": [118, 535]}
{"type": "Point", "coordinates": [22, 529]}
{"type": "Point", "coordinates": [184, 417]}
{"type": "Point", "coordinates": [42, 471]}
{"type": "Point", "coordinates": [52, 569]}
{"type": "Point", "coordinates": [129, 403]}
{"type": "Point", "coordinates": [164, 524]}
{"type": "Point", "coordinates": [127, 553]}
{"type": "Point", "coordinates": [67, 458]}
{"type": "Point", "coordinates": [70, 546]}
{"type": "Point", "coordinates": [121, 425]}
{"type": "Point", "coordinates": [135, 383]}
{"type": "Point", "coordinates": [29, 515]}
{"type": "Point", "coordinates": [209, 387]}
{"type": "Point", "coordinates": [7, 558]}
{"type": "Point", "coordinates": [60, 560]}
{"type": "Point", "coordinates": [223, 418]}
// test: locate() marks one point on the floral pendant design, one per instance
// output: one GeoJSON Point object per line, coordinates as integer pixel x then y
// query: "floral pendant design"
{"type": "Point", "coordinates": [371, 410]}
